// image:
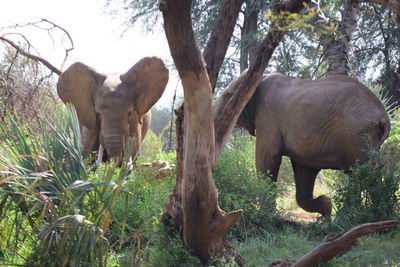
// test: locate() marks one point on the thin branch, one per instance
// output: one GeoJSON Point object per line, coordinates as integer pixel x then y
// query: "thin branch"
{"type": "Point", "coordinates": [31, 56]}
{"type": "Point", "coordinates": [11, 65]}
{"type": "Point", "coordinates": [47, 25]}
{"type": "Point", "coordinates": [394, 5]}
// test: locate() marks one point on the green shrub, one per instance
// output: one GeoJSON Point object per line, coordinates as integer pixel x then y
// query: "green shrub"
{"type": "Point", "coordinates": [166, 249]}
{"type": "Point", "coordinates": [151, 147]}
{"type": "Point", "coordinates": [240, 187]}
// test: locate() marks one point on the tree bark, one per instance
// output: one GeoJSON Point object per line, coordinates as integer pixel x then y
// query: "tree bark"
{"type": "Point", "coordinates": [336, 40]}
{"type": "Point", "coordinates": [249, 29]}
{"type": "Point", "coordinates": [217, 45]}
{"type": "Point", "coordinates": [341, 243]}
{"type": "Point", "coordinates": [203, 222]}
{"type": "Point", "coordinates": [390, 78]}
{"type": "Point", "coordinates": [337, 246]}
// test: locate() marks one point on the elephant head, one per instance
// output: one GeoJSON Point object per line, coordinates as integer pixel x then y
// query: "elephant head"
{"type": "Point", "coordinates": [113, 108]}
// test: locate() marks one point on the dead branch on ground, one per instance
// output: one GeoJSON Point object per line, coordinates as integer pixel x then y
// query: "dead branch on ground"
{"type": "Point", "coordinates": [339, 245]}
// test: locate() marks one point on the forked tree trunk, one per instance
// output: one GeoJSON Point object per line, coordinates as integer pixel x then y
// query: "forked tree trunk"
{"type": "Point", "coordinates": [194, 202]}
{"type": "Point", "coordinates": [203, 222]}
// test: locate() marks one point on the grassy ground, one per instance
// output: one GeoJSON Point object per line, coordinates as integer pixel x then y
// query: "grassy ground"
{"type": "Point", "coordinates": [376, 250]}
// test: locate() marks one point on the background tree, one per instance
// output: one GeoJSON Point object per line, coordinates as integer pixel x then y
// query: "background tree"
{"type": "Point", "coordinates": [160, 117]}
{"type": "Point", "coordinates": [25, 87]}
{"type": "Point", "coordinates": [344, 33]}
{"type": "Point", "coordinates": [377, 50]}
{"type": "Point", "coordinates": [26, 79]}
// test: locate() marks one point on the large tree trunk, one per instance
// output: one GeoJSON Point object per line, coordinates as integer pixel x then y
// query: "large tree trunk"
{"type": "Point", "coordinates": [203, 222]}
{"type": "Point", "coordinates": [194, 202]}
{"type": "Point", "coordinates": [336, 39]}
{"type": "Point", "coordinates": [248, 45]}
{"type": "Point", "coordinates": [391, 77]}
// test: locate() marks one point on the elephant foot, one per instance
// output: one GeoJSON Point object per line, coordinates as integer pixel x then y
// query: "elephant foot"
{"type": "Point", "coordinates": [321, 204]}
{"type": "Point", "coordinates": [326, 206]}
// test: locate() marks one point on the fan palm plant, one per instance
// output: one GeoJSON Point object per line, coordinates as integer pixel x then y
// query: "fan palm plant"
{"type": "Point", "coordinates": [46, 200]}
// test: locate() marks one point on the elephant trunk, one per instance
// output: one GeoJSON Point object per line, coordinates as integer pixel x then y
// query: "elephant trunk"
{"type": "Point", "coordinates": [114, 141]}
{"type": "Point", "coordinates": [114, 145]}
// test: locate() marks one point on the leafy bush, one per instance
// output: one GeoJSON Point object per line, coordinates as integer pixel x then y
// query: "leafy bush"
{"type": "Point", "coordinates": [240, 187]}
{"type": "Point", "coordinates": [166, 249]}
{"type": "Point", "coordinates": [151, 147]}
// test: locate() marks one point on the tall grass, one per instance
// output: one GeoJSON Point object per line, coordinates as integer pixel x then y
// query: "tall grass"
{"type": "Point", "coordinates": [46, 198]}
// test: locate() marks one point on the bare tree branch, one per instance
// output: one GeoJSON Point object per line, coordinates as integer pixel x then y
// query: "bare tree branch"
{"type": "Point", "coordinates": [340, 244]}
{"type": "Point", "coordinates": [41, 24]}
{"type": "Point", "coordinates": [31, 56]}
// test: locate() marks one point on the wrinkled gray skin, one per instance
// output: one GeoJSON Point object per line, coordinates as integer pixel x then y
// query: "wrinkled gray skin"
{"type": "Point", "coordinates": [113, 109]}
{"type": "Point", "coordinates": [324, 124]}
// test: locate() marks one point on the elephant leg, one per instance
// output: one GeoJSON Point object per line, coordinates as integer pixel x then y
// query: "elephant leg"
{"type": "Point", "coordinates": [135, 149]}
{"type": "Point", "coordinates": [90, 141]}
{"type": "Point", "coordinates": [305, 180]}
{"type": "Point", "coordinates": [268, 156]}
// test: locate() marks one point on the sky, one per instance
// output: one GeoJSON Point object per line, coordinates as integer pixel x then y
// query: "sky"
{"type": "Point", "coordinates": [100, 40]}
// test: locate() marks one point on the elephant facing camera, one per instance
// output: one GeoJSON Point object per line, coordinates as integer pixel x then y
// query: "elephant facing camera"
{"type": "Point", "coordinates": [113, 109]}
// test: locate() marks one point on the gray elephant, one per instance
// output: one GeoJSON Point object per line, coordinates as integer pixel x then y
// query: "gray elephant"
{"type": "Point", "coordinates": [324, 124]}
{"type": "Point", "coordinates": [113, 108]}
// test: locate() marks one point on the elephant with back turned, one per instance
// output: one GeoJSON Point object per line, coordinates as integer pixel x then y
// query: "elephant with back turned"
{"type": "Point", "coordinates": [329, 123]}
{"type": "Point", "coordinates": [113, 108]}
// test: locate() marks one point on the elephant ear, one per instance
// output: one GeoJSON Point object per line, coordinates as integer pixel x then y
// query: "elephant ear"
{"type": "Point", "coordinates": [77, 86]}
{"type": "Point", "coordinates": [148, 79]}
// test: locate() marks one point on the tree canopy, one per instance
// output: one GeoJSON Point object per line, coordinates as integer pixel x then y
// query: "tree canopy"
{"type": "Point", "coordinates": [301, 53]}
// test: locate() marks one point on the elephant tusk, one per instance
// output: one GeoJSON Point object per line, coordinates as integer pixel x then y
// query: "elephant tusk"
{"type": "Point", "coordinates": [100, 156]}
